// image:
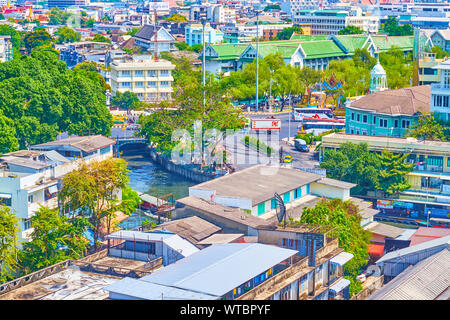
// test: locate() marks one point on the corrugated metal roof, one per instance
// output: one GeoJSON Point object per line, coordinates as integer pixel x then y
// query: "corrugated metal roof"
{"type": "Point", "coordinates": [139, 236]}
{"type": "Point", "coordinates": [177, 243]}
{"type": "Point", "coordinates": [136, 289]}
{"type": "Point", "coordinates": [220, 268]}
{"type": "Point", "coordinates": [425, 281]}
{"type": "Point", "coordinates": [415, 249]}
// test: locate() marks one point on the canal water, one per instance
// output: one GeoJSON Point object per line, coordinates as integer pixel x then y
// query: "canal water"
{"type": "Point", "coordinates": [151, 178]}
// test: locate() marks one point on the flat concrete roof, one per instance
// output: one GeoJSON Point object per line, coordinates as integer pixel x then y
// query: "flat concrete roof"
{"type": "Point", "coordinates": [259, 183]}
{"type": "Point", "coordinates": [221, 238]}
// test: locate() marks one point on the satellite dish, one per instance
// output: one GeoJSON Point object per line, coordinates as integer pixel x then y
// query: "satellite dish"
{"type": "Point", "coordinates": [374, 270]}
{"type": "Point", "coordinates": [280, 209]}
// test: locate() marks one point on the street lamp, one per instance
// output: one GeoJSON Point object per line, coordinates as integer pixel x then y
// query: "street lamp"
{"type": "Point", "coordinates": [270, 91]}
{"type": "Point", "coordinates": [203, 20]}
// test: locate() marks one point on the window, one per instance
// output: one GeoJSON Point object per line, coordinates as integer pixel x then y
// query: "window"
{"type": "Point", "coordinates": [307, 189]}
{"type": "Point", "coordinates": [365, 118]}
{"type": "Point", "coordinates": [5, 199]}
{"type": "Point", "coordinates": [405, 123]}
{"type": "Point", "coordinates": [383, 123]}
{"type": "Point", "coordinates": [152, 84]}
{"type": "Point", "coordinates": [151, 73]}
{"type": "Point", "coordinates": [140, 246]}
{"type": "Point", "coordinates": [297, 193]}
{"type": "Point", "coordinates": [358, 117]}
{"type": "Point", "coordinates": [374, 120]}
{"type": "Point", "coordinates": [261, 208]}
{"type": "Point", "coordinates": [164, 84]}
{"type": "Point", "coordinates": [353, 116]}
{"type": "Point", "coordinates": [126, 84]}
{"type": "Point", "coordinates": [164, 73]}
{"type": "Point", "coordinates": [26, 224]}
{"type": "Point", "coordinates": [139, 73]}
{"type": "Point", "coordinates": [105, 150]}
{"type": "Point", "coordinates": [126, 73]}
{"type": "Point", "coordinates": [30, 198]}
{"type": "Point", "coordinates": [273, 204]}
{"type": "Point", "coordinates": [396, 123]}
{"type": "Point", "coordinates": [287, 197]}
{"type": "Point", "coordinates": [139, 84]}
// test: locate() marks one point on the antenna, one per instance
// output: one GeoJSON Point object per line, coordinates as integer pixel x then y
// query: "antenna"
{"type": "Point", "coordinates": [280, 209]}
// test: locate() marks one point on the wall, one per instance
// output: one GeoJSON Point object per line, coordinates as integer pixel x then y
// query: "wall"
{"type": "Point", "coordinates": [329, 191]}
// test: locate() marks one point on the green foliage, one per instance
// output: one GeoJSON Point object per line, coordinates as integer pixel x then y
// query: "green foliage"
{"type": "Point", "coordinates": [183, 46]}
{"type": "Point", "coordinates": [127, 100]}
{"type": "Point", "coordinates": [16, 39]}
{"type": "Point", "coordinates": [392, 173]}
{"type": "Point", "coordinates": [39, 97]}
{"type": "Point", "coordinates": [133, 31]}
{"type": "Point", "coordinates": [130, 200]}
{"type": "Point", "coordinates": [177, 18]}
{"type": "Point", "coordinates": [350, 30]}
{"type": "Point", "coordinates": [258, 145]}
{"type": "Point", "coordinates": [66, 34]}
{"type": "Point", "coordinates": [392, 28]}
{"type": "Point", "coordinates": [286, 33]}
{"type": "Point", "coordinates": [344, 217]}
{"type": "Point", "coordinates": [440, 54]}
{"type": "Point", "coordinates": [9, 227]}
{"type": "Point", "coordinates": [37, 38]}
{"type": "Point", "coordinates": [427, 128]}
{"type": "Point", "coordinates": [58, 16]}
{"type": "Point", "coordinates": [87, 23]}
{"type": "Point", "coordinates": [147, 224]}
{"type": "Point", "coordinates": [92, 190]}
{"type": "Point", "coordinates": [399, 69]}
{"type": "Point", "coordinates": [55, 238]}
{"type": "Point", "coordinates": [100, 38]}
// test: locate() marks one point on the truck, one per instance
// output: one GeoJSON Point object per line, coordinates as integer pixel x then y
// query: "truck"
{"type": "Point", "coordinates": [269, 124]}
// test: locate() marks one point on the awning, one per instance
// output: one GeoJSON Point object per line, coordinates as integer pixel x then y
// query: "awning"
{"type": "Point", "coordinates": [376, 249]}
{"type": "Point", "coordinates": [342, 258]}
{"type": "Point", "coordinates": [53, 189]}
{"type": "Point", "coordinates": [5, 195]}
{"type": "Point", "coordinates": [340, 285]}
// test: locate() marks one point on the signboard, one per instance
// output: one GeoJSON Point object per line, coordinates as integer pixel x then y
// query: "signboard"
{"type": "Point", "coordinates": [385, 204]}
{"type": "Point", "coordinates": [402, 204]}
{"type": "Point", "coordinates": [265, 124]}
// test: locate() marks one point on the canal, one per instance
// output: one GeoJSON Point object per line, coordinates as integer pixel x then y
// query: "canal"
{"type": "Point", "coordinates": [150, 178]}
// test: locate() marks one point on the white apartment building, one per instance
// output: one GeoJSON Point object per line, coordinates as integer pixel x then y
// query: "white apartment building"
{"type": "Point", "coordinates": [330, 22]}
{"type": "Point", "coordinates": [30, 178]}
{"type": "Point", "coordinates": [6, 50]}
{"type": "Point", "coordinates": [440, 93]}
{"type": "Point", "coordinates": [150, 80]}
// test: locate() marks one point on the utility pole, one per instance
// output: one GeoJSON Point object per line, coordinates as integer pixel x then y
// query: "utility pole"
{"type": "Point", "coordinates": [290, 108]}
{"type": "Point", "coordinates": [257, 58]}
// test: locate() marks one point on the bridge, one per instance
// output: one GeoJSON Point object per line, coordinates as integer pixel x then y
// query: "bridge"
{"type": "Point", "coordinates": [124, 141]}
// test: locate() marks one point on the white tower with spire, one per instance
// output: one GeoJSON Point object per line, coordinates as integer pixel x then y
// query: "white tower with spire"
{"type": "Point", "coordinates": [378, 81]}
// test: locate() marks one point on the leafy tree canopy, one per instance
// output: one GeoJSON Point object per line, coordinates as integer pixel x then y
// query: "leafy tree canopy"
{"type": "Point", "coordinates": [350, 30]}
{"type": "Point", "coordinates": [66, 34]}
{"type": "Point", "coordinates": [427, 128]}
{"type": "Point", "coordinates": [392, 28]}
{"type": "Point", "coordinates": [100, 38]}
{"type": "Point", "coordinates": [127, 100]}
{"type": "Point", "coordinates": [177, 18]}
{"type": "Point", "coordinates": [9, 227]}
{"type": "Point", "coordinates": [286, 33]}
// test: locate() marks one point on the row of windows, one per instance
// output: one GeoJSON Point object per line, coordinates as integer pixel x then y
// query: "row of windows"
{"type": "Point", "coordinates": [441, 101]}
{"type": "Point", "coordinates": [150, 73]}
{"type": "Point", "coordinates": [383, 123]}
{"type": "Point", "coordinates": [286, 199]}
{"type": "Point", "coordinates": [140, 84]}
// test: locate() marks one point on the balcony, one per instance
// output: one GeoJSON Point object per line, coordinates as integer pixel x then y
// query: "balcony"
{"type": "Point", "coordinates": [50, 203]}
{"type": "Point", "coordinates": [439, 86]}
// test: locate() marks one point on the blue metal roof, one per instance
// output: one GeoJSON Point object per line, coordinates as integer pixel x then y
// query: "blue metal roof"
{"type": "Point", "coordinates": [136, 289]}
{"type": "Point", "coordinates": [220, 268]}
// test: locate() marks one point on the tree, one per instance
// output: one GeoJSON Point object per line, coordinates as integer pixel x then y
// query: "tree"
{"type": "Point", "coordinates": [66, 34]}
{"type": "Point", "coordinates": [392, 28]}
{"type": "Point", "coordinates": [182, 46]}
{"type": "Point", "coordinates": [427, 128]}
{"type": "Point", "coordinates": [399, 69]}
{"type": "Point", "coordinates": [286, 33]}
{"type": "Point", "coordinates": [92, 191]}
{"type": "Point", "coordinates": [440, 54]}
{"type": "Point", "coordinates": [101, 38]}
{"type": "Point", "coordinates": [177, 18]}
{"type": "Point", "coordinates": [8, 140]}
{"type": "Point", "coordinates": [87, 23]}
{"type": "Point", "coordinates": [392, 172]}
{"type": "Point", "coordinates": [344, 217]}
{"type": "Point", "coordinates": [16, 39]}
{"type": "Point", "coordinates": [127, 100]}
{"type": "Point", "coordinates": [133, 31]}
{"type": "Point", "coordinates": [350, 30]}
{"type": "Point", "coordinates": [9, 228]}
{"type": "Point", "coordinates": [271, 7]}
{"type": "Point", "coordinates": [37, 38]}
{"type": "Point", "coordinates": [57, 16]}
{"type": "Point", "coordinates": [55, 238]}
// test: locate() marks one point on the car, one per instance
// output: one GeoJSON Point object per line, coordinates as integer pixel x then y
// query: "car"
{"type": "Point", "coordinates": [287, 159]}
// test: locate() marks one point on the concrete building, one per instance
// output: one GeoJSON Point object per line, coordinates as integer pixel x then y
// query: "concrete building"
{"type": "Point", "coordinates": [441, 38]}
{"type": "Point", "coordinates": [440, 93]}
{"type": "Point", "coordinates": [145, 38]}
{"type": "Point", "coordinates": [430, 178]}
{"type": "Point", "coordinates": [6, 50]}
{"type": "Point", "coordinates": [150, 80]}
{"type": "Point", "coordinates": [30, 178]}
{"type": "Point", "coordinates": [252, 189]}
{"type": "Point", "coordinates": [386, 112]}
{"type": "Point", "coordinates": [147, 246]}
{"type": "Point", "coordinates": [194, 34]}
{"type": "Point", "coordinates": [427, 73]}
{"type": "Point", "coordinates": [67, 3]}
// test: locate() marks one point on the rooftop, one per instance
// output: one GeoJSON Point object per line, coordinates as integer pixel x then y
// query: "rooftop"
{"type": "Point", "coordinates": [427, 280]}
{"type": "Point", "coordinates": [221, 238]}
{"type": "Point", "coordinates": [424, 234]}
{"type": "Point", "coordinates": [84, 143]}
{"type": "Point", "coordinates": [258, 183]}
{"type": "Point", "coordinates": [215, 270]}
{"type": "Point", "coordinates": [406, 101]}
{"type": "Point", "coordinates": [384, 229]}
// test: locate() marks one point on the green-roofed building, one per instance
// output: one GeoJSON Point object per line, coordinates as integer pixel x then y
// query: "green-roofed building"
{"type": "Point", "coordinates": [310, 51]}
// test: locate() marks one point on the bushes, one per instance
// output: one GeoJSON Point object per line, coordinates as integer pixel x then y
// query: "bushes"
{"type": "Point", "coordinates": [260, 146]}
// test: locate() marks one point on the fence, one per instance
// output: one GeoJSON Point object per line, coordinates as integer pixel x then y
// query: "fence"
{"type": "Point", "coordinates": [35, 276]}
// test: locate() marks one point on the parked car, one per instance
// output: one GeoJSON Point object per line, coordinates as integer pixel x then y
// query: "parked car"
{"type": "Point", "coordinates": [301, 145]}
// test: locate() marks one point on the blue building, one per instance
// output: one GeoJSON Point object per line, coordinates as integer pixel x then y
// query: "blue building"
{"type": "Point", "coordinates": [194, 34]}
